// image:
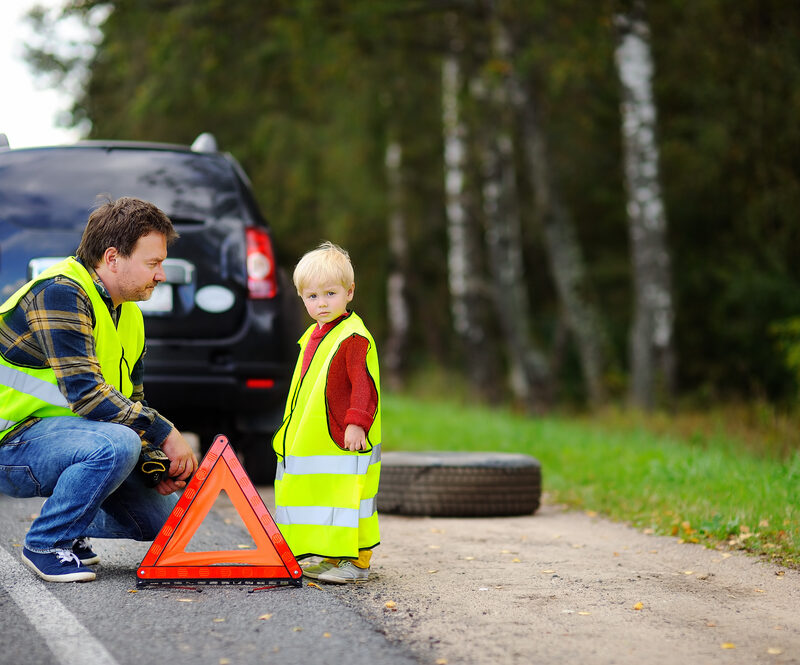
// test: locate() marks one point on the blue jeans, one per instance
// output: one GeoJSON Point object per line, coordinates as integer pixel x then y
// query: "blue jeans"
{"type": "Point", "coordinates": [85, 468]}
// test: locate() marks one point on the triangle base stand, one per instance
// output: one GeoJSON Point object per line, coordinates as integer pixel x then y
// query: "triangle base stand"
{"type": "Point", "coordinates": [222, 581]}
{"type": "Point", "coordinates": [168, 564]}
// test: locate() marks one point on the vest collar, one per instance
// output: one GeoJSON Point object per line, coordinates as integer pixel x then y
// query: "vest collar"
{"type": "Point", "coordinates": [101, 288]}
{"type": "Point", "coordinates": [321, 332]}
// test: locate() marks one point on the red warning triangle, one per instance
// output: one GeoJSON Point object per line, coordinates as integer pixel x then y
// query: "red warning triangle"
{"type": "Point", "coordinates": [167, 561]}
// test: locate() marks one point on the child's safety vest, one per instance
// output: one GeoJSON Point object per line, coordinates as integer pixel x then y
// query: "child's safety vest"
{"type": "Point", "coordinates": [326, 497]}
{"type": "Point", "coordinates": [33, 391]}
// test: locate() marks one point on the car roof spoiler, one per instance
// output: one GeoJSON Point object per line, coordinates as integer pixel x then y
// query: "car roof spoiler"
{"type": "Point", "coordinates": [205, 142]}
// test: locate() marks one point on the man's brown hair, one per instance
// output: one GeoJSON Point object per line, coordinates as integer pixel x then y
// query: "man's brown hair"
{"type": "Point", "coordinates": [120, 224]}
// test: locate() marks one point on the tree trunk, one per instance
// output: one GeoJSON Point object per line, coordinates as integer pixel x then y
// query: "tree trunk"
{"type": "Point", "coordinates": [467, 293]}
{"type": "Point", "coordinates": [398, 314]}
{"type": "Point", "coordinates": [564, 253]}
{"type": "Point", "coordinates": [529, 376]}
{"type": "Point", "coordinates": [652, 354]}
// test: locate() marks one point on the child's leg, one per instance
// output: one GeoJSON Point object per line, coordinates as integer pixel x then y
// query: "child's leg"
{"type": "Point", "coordinates": [364, 557]}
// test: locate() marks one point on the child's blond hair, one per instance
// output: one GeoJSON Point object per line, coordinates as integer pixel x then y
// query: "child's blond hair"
{"type": "Point", "coordinates": [326, 264]}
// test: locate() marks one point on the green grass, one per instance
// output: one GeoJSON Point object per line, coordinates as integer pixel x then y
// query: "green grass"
{"type": "Point", "coordinates": [713, 491]}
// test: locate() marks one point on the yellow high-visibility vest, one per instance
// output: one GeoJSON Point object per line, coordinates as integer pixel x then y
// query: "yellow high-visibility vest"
{"type": "Point", "coordinates": [33, 391]}
{"type": "Point", "coordinates": [326, 497]}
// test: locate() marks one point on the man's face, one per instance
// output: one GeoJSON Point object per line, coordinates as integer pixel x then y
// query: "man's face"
{"type": "Point", "coordinates": [139, 273]}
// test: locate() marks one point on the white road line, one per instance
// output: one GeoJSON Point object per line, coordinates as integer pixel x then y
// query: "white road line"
{"type": "Point", "coordinates": [69, 641]}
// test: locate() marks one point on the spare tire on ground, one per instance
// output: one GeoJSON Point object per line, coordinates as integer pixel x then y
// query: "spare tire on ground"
{"type": "Point", "coordinates": [459, 484]}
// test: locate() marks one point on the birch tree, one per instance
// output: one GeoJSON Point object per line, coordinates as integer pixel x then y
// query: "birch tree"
{"type": "Point", "coordinates": [564, 254]}
{"type": "Point", "coordinates": [398, 313]}
{"type": "Point", "coordinates": [529, 375]}
{"type": "Point", "coordinates": [467, 290]}
{"type": "Point", "coordinates": [652, 354]}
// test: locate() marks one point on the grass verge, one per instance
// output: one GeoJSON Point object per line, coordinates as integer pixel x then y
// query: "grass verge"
{"type": "Point", "coordinates": [714, 492]}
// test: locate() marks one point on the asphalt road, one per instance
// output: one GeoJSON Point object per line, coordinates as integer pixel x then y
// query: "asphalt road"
{"type": "Point", "coordinates": [110, 622]}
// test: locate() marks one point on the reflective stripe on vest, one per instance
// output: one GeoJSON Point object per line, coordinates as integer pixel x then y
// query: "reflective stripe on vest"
{"type": "Point", "coordinates": [30, 385]}
{"type": "Point", "coordinates": [337, 464]}
{"type": "Point", "coordinates": [27, 391]}
{"type": "Point", "coordinates": [325, 515]}
{"type": "Point", "coordinates": [325, 497]}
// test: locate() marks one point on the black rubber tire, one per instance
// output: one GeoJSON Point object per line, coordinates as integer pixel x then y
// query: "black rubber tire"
{"type": "Point", "coordinates": [459, 484]}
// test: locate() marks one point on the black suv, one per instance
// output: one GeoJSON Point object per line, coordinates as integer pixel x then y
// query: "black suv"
{"type": "Point", "coordinates": [221, 329]}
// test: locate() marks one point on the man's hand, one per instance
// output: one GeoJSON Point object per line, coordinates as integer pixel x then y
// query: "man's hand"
{"type": "Point", "coordinates": [182, 463]}
{"type": "Point", "coordinates": [355, 438]}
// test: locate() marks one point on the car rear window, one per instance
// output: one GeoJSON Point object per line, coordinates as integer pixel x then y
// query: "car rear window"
{"type": "Point", "coordinates": [58, 187]}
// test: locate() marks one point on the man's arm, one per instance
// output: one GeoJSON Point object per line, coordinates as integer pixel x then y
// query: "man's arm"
{"type": "Point", "coordinates": [61, 322]}
{"type": "Point", "coordinates": [183, 462]}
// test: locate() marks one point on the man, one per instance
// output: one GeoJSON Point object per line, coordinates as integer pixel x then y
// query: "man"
{"type": "Point", "coordinates": [73, 418]}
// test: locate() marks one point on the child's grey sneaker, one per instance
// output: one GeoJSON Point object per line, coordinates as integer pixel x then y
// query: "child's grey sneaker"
{"type": "Point", "coordinates": [345, 573]}
{"type": "Point", "coordinates": [82, 549]}
{"type": "Point", "coordinates": [314, 570]}
{"type": "Point", "coordinates": [58, 566]}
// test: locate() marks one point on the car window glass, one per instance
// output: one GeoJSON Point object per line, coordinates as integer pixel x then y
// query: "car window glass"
{"type": "Point", "coordinates": [57, 188]}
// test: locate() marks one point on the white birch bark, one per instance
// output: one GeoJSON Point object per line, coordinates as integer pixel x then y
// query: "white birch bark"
{"type": "Point", "coordinates": [529, 376]}
{"type": "Point", "coordinates": [468, 299]}
{"type": "Point", "coordinates": [455, 205]}
{"type": "Point", "coordinates": [651, 335]}
{"type": "Point", "coordinates": [564, 253]}
{"type": "Point", "coordinates": [398, 314]}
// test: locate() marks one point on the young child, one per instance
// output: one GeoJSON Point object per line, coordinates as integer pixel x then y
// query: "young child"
{"type": "Point", "coordinates": [328, 446]}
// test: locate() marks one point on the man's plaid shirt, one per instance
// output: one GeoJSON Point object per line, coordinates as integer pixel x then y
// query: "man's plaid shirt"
{"type": "Point", "coordinates": [52, 325]}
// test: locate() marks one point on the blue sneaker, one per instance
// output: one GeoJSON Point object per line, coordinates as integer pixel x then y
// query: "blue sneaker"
{"type": "Point", "coordinates": [58, 566]}
{"type": "Point", "coordinates": [82, 548]}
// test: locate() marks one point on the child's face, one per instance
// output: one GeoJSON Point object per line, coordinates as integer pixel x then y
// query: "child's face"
{"type": "Point", "coordinates": [326, 302]}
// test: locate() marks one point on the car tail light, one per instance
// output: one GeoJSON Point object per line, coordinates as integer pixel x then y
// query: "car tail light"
{"type": "Point", "coordinates": [261, 271]}
{"type": "Point", "coordinates": [261, 384]}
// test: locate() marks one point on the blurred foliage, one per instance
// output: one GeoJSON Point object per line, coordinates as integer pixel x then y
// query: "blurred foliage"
{"type": "Point", "coordinates": [787, 335]}
{"type": "Point", "coordinates": [305, 92]}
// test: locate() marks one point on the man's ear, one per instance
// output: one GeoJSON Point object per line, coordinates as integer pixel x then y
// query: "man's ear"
{"type": "Point", "coordinates": [110, 257]}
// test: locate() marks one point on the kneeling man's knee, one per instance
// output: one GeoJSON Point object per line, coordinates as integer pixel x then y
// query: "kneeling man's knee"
{"type": "Point", "coordinates": [121, 445]}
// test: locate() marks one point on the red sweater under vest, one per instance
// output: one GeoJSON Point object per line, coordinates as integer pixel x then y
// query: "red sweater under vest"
{"type": "Point", "coordinates": [350, 392]}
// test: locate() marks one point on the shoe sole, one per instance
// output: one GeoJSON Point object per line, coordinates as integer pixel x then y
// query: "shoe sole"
{"type": "Point", "coordinates": [68, 577]}
{"type": "Point", "coordinates": [341, 580]}
{"type": "Point", "coordinates": [90, 561]}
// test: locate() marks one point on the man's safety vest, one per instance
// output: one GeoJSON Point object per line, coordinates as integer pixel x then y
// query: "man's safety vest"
{"type": "Point", "coordinates": [326, 497]}
{"type": "Point", "coordinates": [33, 392]}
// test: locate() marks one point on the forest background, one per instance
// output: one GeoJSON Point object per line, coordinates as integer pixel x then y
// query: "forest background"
{"type": "Point", "coordinates": [566, 204]}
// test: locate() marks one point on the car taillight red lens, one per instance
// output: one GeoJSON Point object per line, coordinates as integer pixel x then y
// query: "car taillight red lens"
{"type": "Point", "coordinates": [260, 383]}
{"type": "Point", "coordinates": [261, 274]}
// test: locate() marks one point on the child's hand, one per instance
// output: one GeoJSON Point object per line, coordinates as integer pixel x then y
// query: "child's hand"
{"type": "Point", "coordinates": [355, 438]}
